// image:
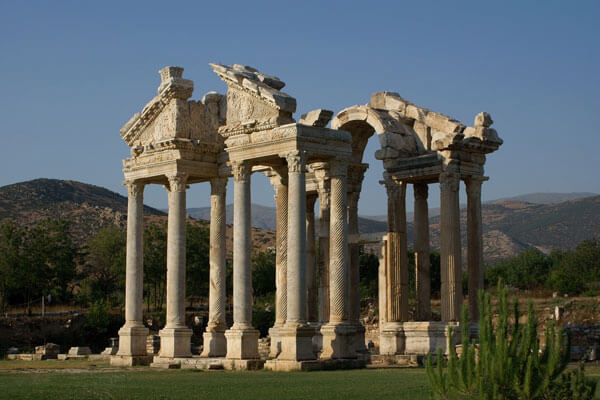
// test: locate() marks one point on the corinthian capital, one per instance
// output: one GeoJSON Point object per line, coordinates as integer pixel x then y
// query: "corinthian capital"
{"type": "Point", "coordinates": [296, 161]}
{"type": "Point", "coordinates": [177, 182]}
{"type": "Point", "coordinates": [134, 188]}
{"type": "Point", "coordinates": [241, 170]}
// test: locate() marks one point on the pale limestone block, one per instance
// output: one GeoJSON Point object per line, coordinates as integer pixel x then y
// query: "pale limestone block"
{"type": "Point", "coordinates": [443, 140]}
{"type": "Point", "coordinates": [442, 123]}
{"type": "Point", "coordinates": [317, 117]}
{"type": "Point", "coordinates": [483, 119]}
{"type": "Point", "coordinates": [416, 113]}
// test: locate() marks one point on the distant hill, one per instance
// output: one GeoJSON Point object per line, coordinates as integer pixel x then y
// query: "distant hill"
{"type": "Point", "coordinates": [509, 225]}
{"type": "Point", "coordinates": [546, 198]}
{"type": "Point", "coordinates": [88, 207]}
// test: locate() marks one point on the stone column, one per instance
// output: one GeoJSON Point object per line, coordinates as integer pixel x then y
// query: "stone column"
{"type": "Point", "coordinates": [215, 344]}
{"type": "Point", "coordinates": [392, 339]}
{"type": "Point", "coordinates": [242, 338]}
{"type": "Point", "coordinates": [323, 261]}
{"type": "Point", "coordinates": [354, 278]}
{"type": "Point", "coordinates": [296, 335]}
{"type": "Point", "coordinates": [175, 336]}
{"type": "Point", "coordinates": [279, 181]}
{"type": "Point", "coordinates": [338, 333]}
{"type": "Point", "coordinates": [422, 263]}
{"type": "Point", "coordinates": [132, 336]}
{"type": "Point", "coordinates": [474, 243]}
{"type": "Point", "coordinates": [311, 260]}
{"type": "Point", "coordinates": [450, 247]}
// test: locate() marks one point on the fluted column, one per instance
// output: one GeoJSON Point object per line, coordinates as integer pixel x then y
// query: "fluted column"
{"type": "Point", "coordinates": [397, 274]}
{"type": "Point", "coordinates": [474, 243]}
{"type": "Point", "coordinates": [175, 337]}
{"type": "Point", "coordinates": [215, 344]}
{"type": "Point", "coordinates": [311, 260]}
{"type": "Point", "coordinates": [338, 334]}
{"type": "Point", "coordinates": [422, 262]}
{"type": "Point", "coordinates": [450, 247]}
{"type": "Point", "coordinates": [279, 181]}
{"type": "Point", "coordinates": [242, 338]}
{"type": "Point", "coordinates": [296, 335]}
{"type": "Point", "coordinates": [391, 334]}
{"type": "Point", "coordinates": [132, 336]}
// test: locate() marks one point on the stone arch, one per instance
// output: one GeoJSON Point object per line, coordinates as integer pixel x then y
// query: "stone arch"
{"type": "Point", "coordinates": [396, 137]}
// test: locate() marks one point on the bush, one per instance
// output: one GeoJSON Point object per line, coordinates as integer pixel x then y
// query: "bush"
{"type": "Point", "coordinates": [508, 363]}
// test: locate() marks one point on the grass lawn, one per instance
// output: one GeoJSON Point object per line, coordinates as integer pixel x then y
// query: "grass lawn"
{"type": "Point", "coordinates": [147, 384]}
{"type": "Point", "coordinates": [95, 380]}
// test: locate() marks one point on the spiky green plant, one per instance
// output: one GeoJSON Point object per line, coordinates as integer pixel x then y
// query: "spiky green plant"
{"type": "Point", "coordinates": [507, 363]}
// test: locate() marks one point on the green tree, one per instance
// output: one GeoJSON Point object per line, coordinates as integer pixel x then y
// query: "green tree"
{"type": "Point", "coordinates": [105, 263]}
{"type": "Point", "coordinates": [11, 249]}
{"type": "Point", "coordinates": [197, 260]}
{"type": "Point", "coordinates": [263, 273]}
{"type": "Point", "coordinates": [368, 273]}
{"type": "Point", "coordinates": [528, 270]}
{"type": "Point", "coordinates": [155, 265]}
{"type": "Point", "coordinates": [577, 269]}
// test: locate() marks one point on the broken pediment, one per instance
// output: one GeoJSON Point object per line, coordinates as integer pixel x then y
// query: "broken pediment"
{"type": "Point", "coordinates": [254, 100]}
{"type": "Point", "coordinates": [170, 115]}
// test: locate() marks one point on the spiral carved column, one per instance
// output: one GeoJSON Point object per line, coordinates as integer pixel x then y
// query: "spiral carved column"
{"type": "Point", "coordinates": [215, 344]}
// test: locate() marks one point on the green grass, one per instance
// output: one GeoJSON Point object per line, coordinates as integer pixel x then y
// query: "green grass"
{"type": "Point", "coordinates": [99, 382]}
{"type": "Point", "coordinates": [183, 384]}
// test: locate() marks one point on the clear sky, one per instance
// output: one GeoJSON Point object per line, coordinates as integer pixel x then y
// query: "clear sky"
{"type": "Point", "coordinates": [73, 72]}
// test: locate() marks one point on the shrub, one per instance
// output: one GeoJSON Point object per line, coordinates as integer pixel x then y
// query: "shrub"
{"type": "Point", "coordinates": [507, 363]}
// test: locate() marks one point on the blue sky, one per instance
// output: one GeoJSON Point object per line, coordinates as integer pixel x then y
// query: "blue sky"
{"type": "Point", "coordinates": [74, 72]}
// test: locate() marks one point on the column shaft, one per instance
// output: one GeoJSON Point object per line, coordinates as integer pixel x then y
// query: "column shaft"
{"type": "Point", "coordinates": [217, 292]}
{"type": "Point", "coordinates": [354, 278]}
{"type": "Point", "coordinates": [176, 253]}
{"type": "Point", "coordinates": [338, 248]}
{"type": "Point", "coordinates": [397, 257]}
{"type": "Point", "coordinates": [311, 260]}
{"type": "Point", "coordinates": [214, 338]}
{"type": "Point", "coordinates": [242, 338]}
{"type": "Point", "coordinates": [324, 221]}
{"type": "Point", "coordinates": [474, 244]}
{"type": "Point", "coordinates": [281, 199]}
{"type": "Point", "coordinates": [134, 263]}
{"type": "Point", "coordinates": [450, 247]}
{"type": "Point", "coordinates": [132, 336]}
{"type": "Point", "coordinates": [242, 245]}
{"type": "Point", "coordinates": [422, 263]}
{"type": "Point", "coordinates": [296, 250]}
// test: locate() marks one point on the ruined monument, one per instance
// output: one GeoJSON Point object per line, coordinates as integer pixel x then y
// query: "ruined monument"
{"type": "Point", "coordinates": [176, 142]}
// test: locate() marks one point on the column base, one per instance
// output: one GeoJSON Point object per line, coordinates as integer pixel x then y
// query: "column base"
{"type": "Point", "coordinates": [419, 338]}
{"type": "Point", "coordinates": [338, 341]}
{"type": "Point", "coordinates": [129, 361]}
{"type": "Point", "coordinates": [215, 344]}
{"type": "Point", "coordinates": [275, 336]}
{"type": "Point", "coordinates": [296, 343]}
{"type": "Point", "coordinates": [242, 343]}
{"type": "Point", "coordinates": [132, 340]}
{"type": "Point", "coordinates": [392, 339]}
{"type": "Point", "coordinates": [175, 342]}
{"type": "Point", "coordinates": [359, 338]}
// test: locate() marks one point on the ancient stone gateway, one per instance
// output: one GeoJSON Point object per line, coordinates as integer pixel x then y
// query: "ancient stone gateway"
{"type": "Point", "coordinates": [176, 142]}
